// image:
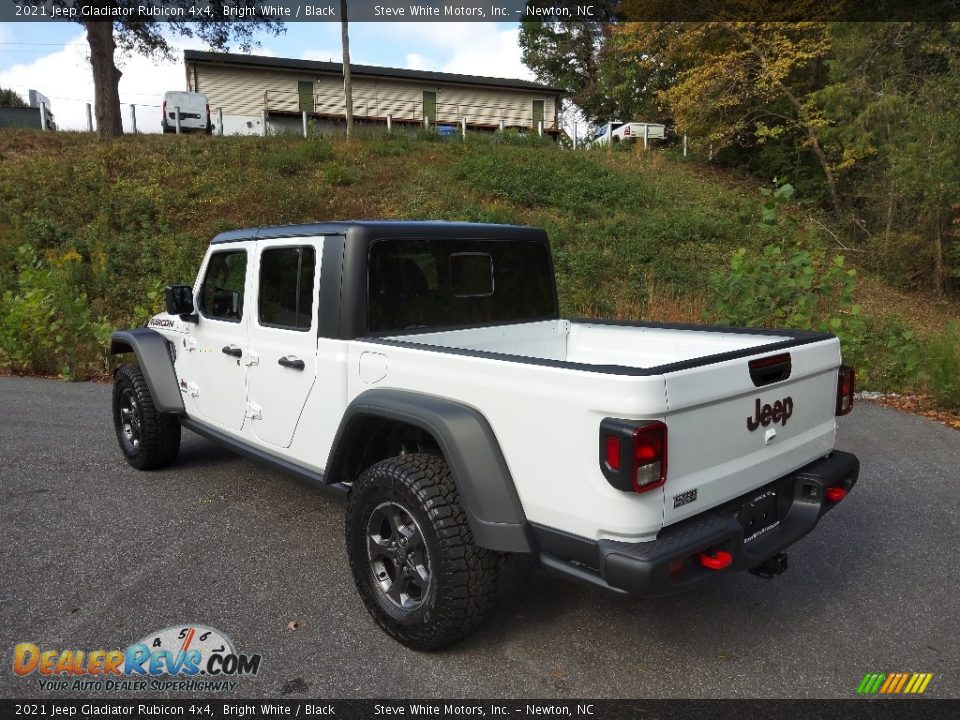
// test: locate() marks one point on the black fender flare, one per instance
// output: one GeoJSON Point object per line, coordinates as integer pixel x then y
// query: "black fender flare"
{"type": "Point", "coordinates": [155, 362]}
{"type": "Point", "coordinates": [484, 483]}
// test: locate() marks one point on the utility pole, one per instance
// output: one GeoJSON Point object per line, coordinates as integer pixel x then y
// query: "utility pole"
{"type": "Point", "coordinates": [347, 85]}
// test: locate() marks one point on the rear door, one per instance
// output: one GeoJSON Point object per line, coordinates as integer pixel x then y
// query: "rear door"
{"type": "Point", "coordinates": [732, 430]}
{"type": "Point", "coordinates": [283, 336]}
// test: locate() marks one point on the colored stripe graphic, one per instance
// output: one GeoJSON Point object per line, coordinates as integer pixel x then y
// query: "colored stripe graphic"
{"type": "Point", "coordinates": [894, 683]}
{"type": "Point", "coordinates": [870, 683]}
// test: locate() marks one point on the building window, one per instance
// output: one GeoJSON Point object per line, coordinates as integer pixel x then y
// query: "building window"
{"type": "Point", "coordinates": [305, 91]}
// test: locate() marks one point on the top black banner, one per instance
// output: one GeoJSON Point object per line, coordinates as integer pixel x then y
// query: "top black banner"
{"type": "Point", "coordinates": [481, 10]}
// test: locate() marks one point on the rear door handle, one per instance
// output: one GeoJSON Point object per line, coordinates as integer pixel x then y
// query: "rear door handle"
{"type": "Point", "coordinates": [232, 350]}
{"type": "Point", "coordinates": [292, 362]}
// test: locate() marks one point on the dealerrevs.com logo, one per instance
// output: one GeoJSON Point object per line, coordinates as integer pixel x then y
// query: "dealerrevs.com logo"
{"type": "Point", "coordinates": [187, 658]}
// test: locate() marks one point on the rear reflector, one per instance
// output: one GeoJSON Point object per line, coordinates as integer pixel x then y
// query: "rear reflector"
{"type": "Point", "coordinates": [613, 452]}
{"type": "Point", "coordinates": [846, 378]}
{"type": "Point", "coordinates": [835, 494]}
{"type": "Point", "coordinates": [716, 562]}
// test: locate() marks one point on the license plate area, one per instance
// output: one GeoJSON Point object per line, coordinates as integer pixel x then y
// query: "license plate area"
{"type": "Point", "coordinates": [759, 516]}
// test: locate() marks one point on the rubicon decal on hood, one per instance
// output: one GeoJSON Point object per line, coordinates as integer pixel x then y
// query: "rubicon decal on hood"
{"type": "Point", "coordinates": [779, 412]}
{"type": "Point", "coordinates": [203, 655]}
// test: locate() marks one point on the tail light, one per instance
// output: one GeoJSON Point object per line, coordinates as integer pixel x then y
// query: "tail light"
{"type": "Point", "coordinates": [845, 388]}
{"type": "Point", "coordinates": [164, 108]}
{"type": "Point", "coordinates": [208, 112]}
{"type": "Point", "coordinates": [633, 457]}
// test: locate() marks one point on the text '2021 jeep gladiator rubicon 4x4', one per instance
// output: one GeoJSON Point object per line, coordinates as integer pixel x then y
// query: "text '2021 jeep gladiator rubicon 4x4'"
{"type": "Point", "coordinates": [423, 369]}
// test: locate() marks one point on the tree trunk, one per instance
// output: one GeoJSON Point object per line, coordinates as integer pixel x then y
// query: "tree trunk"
{"type": "Point", "coordinates": [815, 144]}
{"type": "Point", "coordinates": [106, 79]}
{"type": "Point", "coordinates": [891, 205]}
{"type": "Point", "coordinates": [938, 274]}
{"type": "Point", "coordinates": [347, 85]}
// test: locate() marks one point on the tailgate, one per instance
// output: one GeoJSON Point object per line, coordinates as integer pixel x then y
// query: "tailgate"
{"type": "Point", "coordinates": [717, 447]}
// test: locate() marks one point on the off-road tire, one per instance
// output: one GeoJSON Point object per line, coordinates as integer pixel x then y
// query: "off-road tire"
{"type": "Point", "coordinates": [148, 438]}
{"type": "Point", "coordinates": [462, 575]}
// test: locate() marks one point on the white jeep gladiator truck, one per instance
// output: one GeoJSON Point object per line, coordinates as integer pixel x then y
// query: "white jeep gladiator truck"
{"type": "Point", "coordinates": [423, 370]}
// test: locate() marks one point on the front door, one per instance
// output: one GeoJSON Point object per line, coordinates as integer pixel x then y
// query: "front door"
{"type": "Point", "coordinates": [283, 336]}
{"type": "Point", "coordinates": [213, 359]}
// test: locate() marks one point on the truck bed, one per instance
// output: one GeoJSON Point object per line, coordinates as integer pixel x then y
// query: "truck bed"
{"type": "Point", "coordinates": [576, 372]}
{"type": "Point", "coordinates": [631, 348]}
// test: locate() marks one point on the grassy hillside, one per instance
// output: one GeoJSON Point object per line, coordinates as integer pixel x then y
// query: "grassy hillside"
{"type": "Point", "coordinates": [90, 232]}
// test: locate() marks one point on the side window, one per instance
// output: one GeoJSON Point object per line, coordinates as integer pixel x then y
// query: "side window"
{"type": "Point", "coordinates": [221, 295]}
{"type": "Point", "coordinates": [286, 287]}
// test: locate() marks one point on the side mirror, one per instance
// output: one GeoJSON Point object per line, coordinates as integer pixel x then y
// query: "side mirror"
{"type": "Point", "coordinates": [179, 300]}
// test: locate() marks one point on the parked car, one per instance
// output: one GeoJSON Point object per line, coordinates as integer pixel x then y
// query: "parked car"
{"type": "Point", "coordinates": [194, 109]}
{"type": "Point", "coordinates": [423, 370]}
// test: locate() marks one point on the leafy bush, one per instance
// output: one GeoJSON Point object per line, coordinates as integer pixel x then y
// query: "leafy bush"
{"type": "Point", "coordinates": [390, 145]}
{"type": "Point", "coordinates": [285, 161]}
{"type": "Point", "coordinates": [892, 357]}
{"type": "Point", "coordinates": [317, 150]}
{"type": "Point", "coordinates": [45, 326]}
{"type": "Point", "coordinates": [338, 174]}
{"type": "Point", "coordinates": [943, 367]}
{"type": "Point", "coordinates": [790, 288]}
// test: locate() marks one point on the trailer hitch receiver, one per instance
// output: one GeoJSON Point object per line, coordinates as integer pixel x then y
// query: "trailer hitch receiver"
{"type": "Point", "coordinates": [776, 565]}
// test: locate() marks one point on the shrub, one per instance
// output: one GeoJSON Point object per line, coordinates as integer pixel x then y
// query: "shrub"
{"type": "Point", "coordinates": [45, 326]}
{"type": "Point", "coordinates": [338, 174]}
{"type": "Point", "coordinates": [943, 367]}
{"type": "Point", "coordinates": [790, 288]}
{"type": "Point", "coordinates": [316, 150]}
{"type": "Point", "coordinates": [892, 357]}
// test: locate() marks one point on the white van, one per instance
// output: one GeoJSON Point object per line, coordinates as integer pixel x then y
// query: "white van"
{"type": "Point", "coordinates": [194, 112]}
{"type": "Point", "coordinates": [620, 132]}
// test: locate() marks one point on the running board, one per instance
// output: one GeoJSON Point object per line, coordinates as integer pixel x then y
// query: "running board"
{"type": "Point", "coordinates": [310, 477]}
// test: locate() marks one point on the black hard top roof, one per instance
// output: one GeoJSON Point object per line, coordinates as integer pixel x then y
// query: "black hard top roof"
{"type": "Point", "coordinates": [371, 229]}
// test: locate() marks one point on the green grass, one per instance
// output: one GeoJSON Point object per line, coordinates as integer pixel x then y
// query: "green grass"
{"type": "Point", "coordinates": [634, 234]}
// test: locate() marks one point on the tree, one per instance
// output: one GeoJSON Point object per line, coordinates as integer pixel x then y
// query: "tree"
{"type": "Point", "coordinates": [347, 84]}
{"type": "Point", "coordinates": [8, 98]}
{"type": "Point", "coordinates": [140, 32]}
{"type": "Point", "coordinates": [752, 82]}
{"type": "Point", "coordinates": [894, 120]}
{"type": "Point", "coordinates": [567, 55]}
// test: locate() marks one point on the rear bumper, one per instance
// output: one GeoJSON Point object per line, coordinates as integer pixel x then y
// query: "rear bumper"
{"type": "Point", "coordinates": [671, 563]}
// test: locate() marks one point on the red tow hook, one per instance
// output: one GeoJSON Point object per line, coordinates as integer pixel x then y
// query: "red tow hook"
{"type": "Point", "coordinates": [716, 562]}
{"type": "Point", "coordinates": [835, 494]}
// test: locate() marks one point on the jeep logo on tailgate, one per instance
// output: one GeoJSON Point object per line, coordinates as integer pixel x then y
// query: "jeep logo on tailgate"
{"type": "Point", "coordinates": [779, 412]}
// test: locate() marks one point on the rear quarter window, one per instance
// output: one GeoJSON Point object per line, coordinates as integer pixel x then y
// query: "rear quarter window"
{"type": "Point", "coordinates": [414, 283]}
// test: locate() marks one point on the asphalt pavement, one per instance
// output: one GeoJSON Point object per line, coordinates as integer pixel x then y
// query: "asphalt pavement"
{"type": "Point", "coordinates": [96, 555]}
